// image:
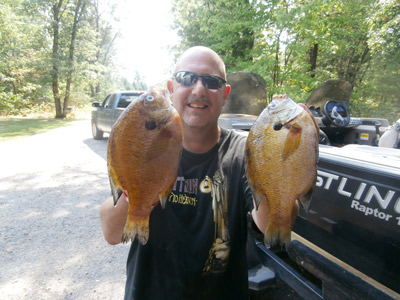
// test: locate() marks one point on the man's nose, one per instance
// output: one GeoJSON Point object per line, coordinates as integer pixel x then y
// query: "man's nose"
{"type": "Point", "coordinates": [199, 88]}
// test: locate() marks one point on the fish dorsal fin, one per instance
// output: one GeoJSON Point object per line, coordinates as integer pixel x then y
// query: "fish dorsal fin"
{"type": "Point", "coordinates": [292, 141]}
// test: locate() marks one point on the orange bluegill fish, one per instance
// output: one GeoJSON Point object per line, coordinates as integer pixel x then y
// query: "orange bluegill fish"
{"type": "Point", "coordinates": [144, 150]}
{"type": "Point", "coordinates": [281, 164]}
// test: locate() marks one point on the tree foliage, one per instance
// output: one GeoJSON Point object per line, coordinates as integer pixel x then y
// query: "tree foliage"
{"type": "Point", "coordinates": [297, 45]}
{"type": "Point", "coordinates": [55, 53]}
{"type": "Point", "coordinates": [60, 52]}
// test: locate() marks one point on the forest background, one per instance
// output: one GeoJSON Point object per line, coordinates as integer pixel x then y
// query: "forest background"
{"type": "Point", "coordinates": [57, 54]}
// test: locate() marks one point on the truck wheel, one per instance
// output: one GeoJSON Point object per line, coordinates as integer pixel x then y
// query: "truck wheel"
{"type": "Point", "coordinates": [97, 134]}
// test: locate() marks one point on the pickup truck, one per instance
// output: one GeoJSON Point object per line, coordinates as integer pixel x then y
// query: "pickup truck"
{"type": "Point", "coordinates": [107, 112]}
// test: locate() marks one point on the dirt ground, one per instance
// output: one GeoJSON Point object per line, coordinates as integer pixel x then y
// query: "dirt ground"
{"type": "Point", "coordinates": [51, 245]}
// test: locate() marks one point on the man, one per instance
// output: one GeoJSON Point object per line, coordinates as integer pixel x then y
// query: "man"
{"type": "Point", "coordinates": [197, 244]}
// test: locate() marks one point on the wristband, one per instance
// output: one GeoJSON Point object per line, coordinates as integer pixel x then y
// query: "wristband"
{"type": "Point", "coordinates": [126, 196]}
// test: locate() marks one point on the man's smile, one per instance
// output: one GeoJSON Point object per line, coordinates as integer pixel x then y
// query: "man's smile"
{"type": "Point", "coordinates": [198, 105]}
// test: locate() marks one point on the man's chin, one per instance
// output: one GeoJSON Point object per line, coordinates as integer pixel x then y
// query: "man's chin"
{"type": "Point", "coordinates": [195, 123]}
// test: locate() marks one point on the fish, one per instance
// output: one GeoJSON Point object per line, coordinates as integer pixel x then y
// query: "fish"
{"type": "Point", "coordinates": [281, 156]}
{"type": "Point", "coordinates": [143, 155]}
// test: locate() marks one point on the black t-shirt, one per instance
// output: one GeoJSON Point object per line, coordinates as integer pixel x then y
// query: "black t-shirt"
{"type": "Point", "coordinates": [197, 244]}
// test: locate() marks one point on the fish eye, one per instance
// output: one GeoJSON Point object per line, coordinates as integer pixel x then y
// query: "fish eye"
{"type": "Point", "coordinates": [272, 105]}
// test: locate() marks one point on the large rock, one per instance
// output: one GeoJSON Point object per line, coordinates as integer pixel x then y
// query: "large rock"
{"type": "Point", "coordinates": [339, 90]}
{"type": "Point", "coordinates": [248, 94]}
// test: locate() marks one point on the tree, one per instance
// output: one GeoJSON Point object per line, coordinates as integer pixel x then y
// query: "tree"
{"type": "Point", "coordinates": [103, 41]}
{"type": "Point", "coordinates": [297, 45]}
{"type": "Point", "coordinates": [79, 9]}
{"type": "Point", "coordinates": [227, 26]}
{"type": "Point", "coordinates": [17, 59]}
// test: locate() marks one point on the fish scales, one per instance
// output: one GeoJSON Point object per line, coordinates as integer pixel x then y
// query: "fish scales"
{"type": "Point", "coordinates": [144, 150]}
{"type": "Point", "coordinates": [281, 164]}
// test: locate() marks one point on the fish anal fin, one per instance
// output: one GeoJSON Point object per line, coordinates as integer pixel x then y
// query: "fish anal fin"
{"type": "Point", "coordinates": [306, 199]}
{"type": "Point", "coordinates": [295, 211]}
{"type": "Point", "coordinates": [163, 199]}
{"type": "Point", "coordinates": [257, 197]}
{"type": "Point", "coordinates": [116, 191]}
{"type": "Point", "coordinates": [292, 141]}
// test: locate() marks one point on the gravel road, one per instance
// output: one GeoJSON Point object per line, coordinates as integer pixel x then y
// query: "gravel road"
{"type": "Point", "coordinates": [51, 244]}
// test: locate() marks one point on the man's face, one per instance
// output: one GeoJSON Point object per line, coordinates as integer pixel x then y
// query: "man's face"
{"type": "Point", "coordinates": [198, 106]}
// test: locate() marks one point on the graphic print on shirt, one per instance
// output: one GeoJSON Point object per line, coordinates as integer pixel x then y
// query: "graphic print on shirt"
{"type": "Point", "coordinates": [186, 186]}
{"type": "Point", "coordinates": [220, 250]}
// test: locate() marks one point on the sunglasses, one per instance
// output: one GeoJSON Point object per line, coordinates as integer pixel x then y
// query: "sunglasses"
{"type": "Point", "coordinates": [187, 78]}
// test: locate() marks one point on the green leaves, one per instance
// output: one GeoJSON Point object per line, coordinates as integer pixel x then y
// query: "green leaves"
{"type": "Point", "coordinates": [297, 45]}
{"type": "Point", "coordinates": [82, 60]}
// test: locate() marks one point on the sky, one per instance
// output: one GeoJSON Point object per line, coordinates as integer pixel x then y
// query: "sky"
{"type": "Point", "coordinates": [145, 38]}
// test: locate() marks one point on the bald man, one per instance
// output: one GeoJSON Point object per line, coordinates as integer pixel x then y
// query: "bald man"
{"type": "Point", "coordinates": [197, 244]}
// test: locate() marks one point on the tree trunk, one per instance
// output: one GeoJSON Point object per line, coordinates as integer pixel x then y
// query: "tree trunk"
{"type": "Point", "coordinates": [55, 59]}
{"type": "Point", "coordinates": [78, 10]}
{"type": "Point", "coordinates": [313, 54]}
{"type": "Point", "coordinates": [276, 67]}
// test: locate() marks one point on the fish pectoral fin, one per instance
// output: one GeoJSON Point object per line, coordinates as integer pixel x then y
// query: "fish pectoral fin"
{"type": "Point", "coordinates": [292, 141]}
{"type": "Point", "coordinates": [306, 199]}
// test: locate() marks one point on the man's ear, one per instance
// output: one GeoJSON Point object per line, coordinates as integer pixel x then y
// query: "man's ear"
{"type": "Point", "coordinates": [170, 86]}
{"type": "Point", "coordinates": [226, 92]}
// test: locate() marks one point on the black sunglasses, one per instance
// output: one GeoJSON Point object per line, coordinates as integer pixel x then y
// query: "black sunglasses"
{"type": "Point", "coordinates": [187, 78]}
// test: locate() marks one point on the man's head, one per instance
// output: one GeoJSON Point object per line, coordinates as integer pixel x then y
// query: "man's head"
{"type": "Point", "coordinates": [198, 87]}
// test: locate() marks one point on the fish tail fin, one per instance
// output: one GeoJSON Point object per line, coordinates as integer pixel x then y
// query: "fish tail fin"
{"type": "Point", "coordinates": [136, 227]}
{"type": "Point", "coordinates": [281, 233]}
{"type": "Point", "coordinates": [277, 234]}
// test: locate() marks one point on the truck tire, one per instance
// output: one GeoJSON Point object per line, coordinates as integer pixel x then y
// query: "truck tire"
{"type": "Point", "coordinates": [97, 134]}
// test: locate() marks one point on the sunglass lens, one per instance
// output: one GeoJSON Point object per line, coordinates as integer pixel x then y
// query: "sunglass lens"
{"type": "Point", "coordinates": [186, 78]}
{"type": "Point", "coordinates": [211, 82]}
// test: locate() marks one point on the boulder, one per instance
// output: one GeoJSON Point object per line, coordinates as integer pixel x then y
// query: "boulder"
{"type": "Point", "coordinates": [248, 94]}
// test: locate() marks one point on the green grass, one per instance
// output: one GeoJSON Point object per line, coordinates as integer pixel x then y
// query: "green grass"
{"type": "Point", "coordinates": [12, 128]}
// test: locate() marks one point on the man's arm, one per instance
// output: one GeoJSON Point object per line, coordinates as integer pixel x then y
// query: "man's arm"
{"type": "Point", "coordinates": [113, 219]}
{"type": "Point", "coordinates": [260, 217]}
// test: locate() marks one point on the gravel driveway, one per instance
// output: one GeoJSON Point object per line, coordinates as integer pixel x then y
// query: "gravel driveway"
{"type": "Point", "coordinates": [51, 244]}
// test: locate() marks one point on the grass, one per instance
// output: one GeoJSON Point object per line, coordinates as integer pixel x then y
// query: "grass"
{"type": "Point", "coordinates": [17, 127]}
